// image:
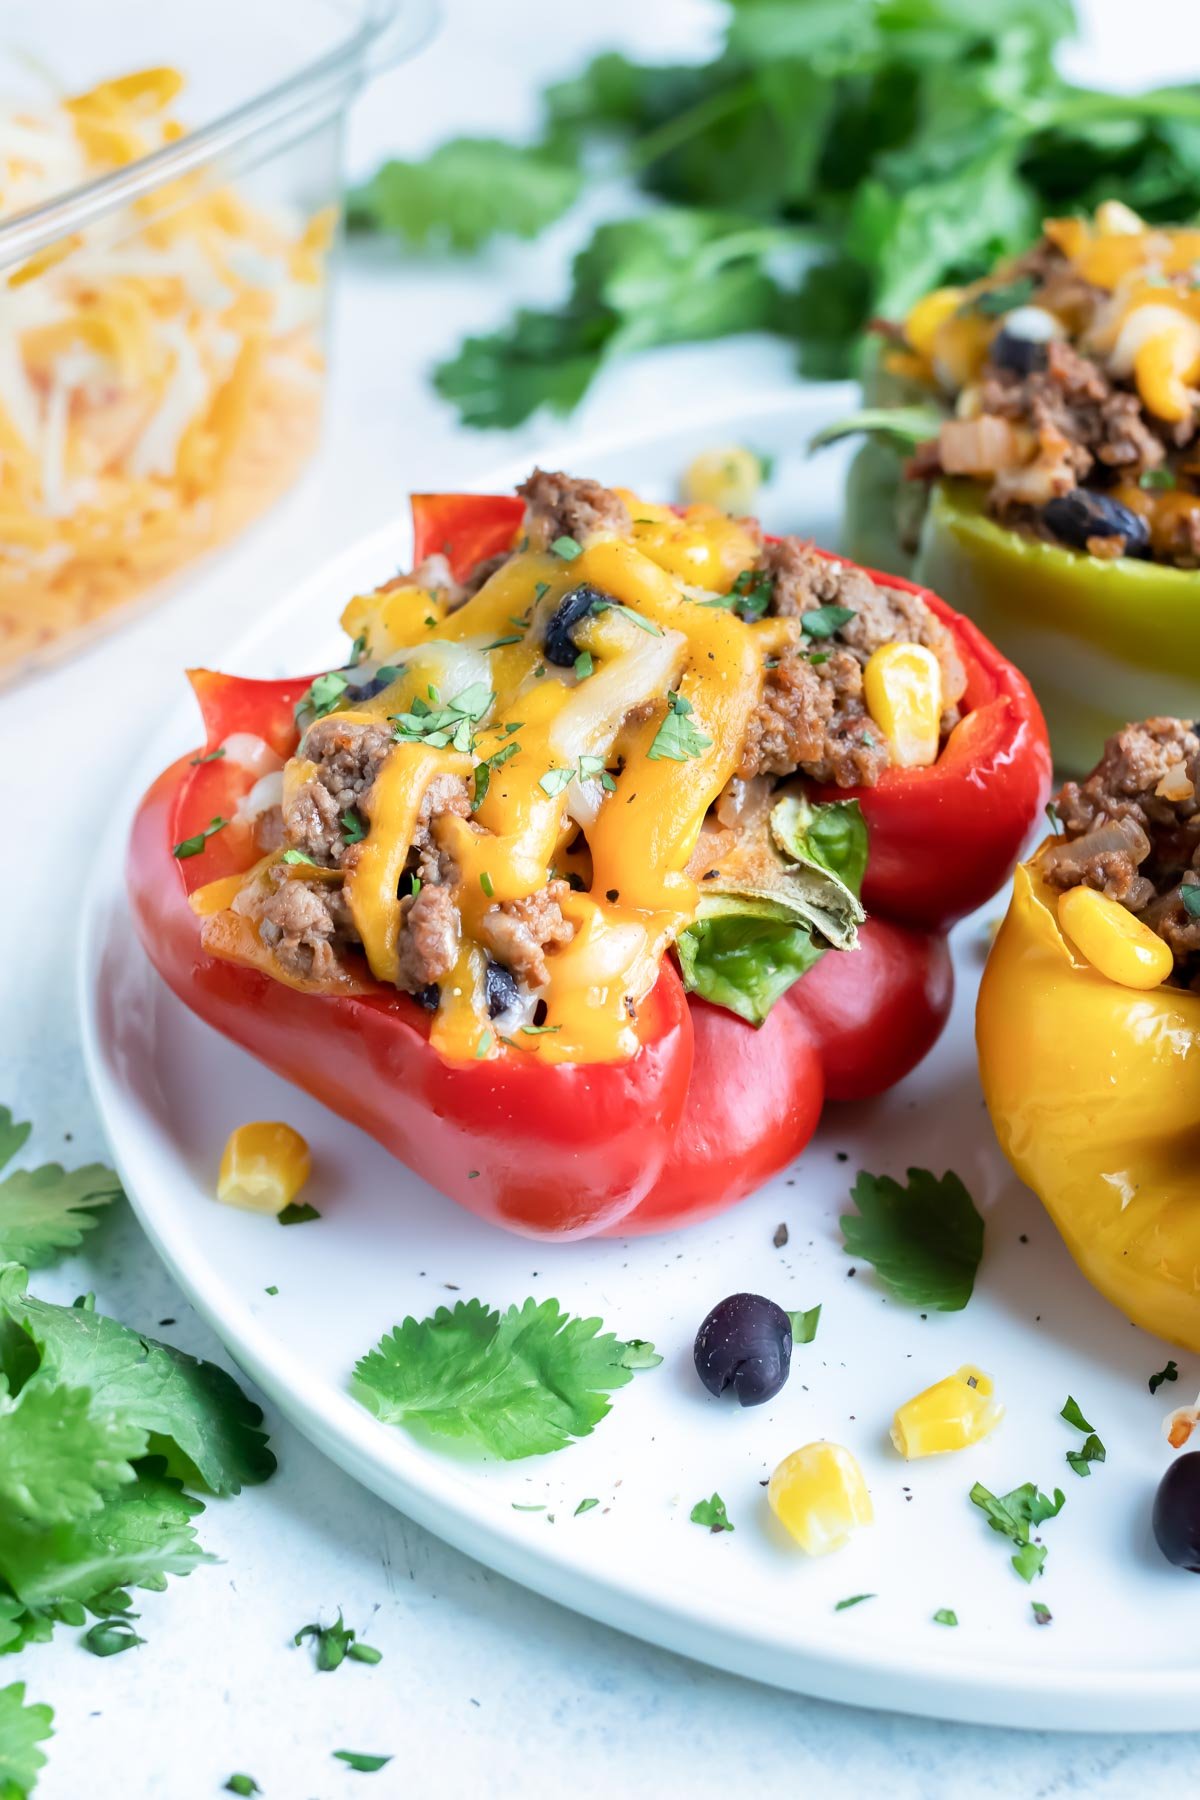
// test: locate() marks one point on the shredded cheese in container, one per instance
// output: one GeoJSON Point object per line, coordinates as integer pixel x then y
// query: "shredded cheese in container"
{"type": "Point", "coordinates": [160, 374]}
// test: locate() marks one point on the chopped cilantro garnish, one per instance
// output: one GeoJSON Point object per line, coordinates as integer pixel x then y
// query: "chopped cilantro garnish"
{"type": "Point", "coordinates": [299, 856]}
{"type": "Point", "coordinates": [567, 548]}
{"type": "Point", "coordinates": [749, 597]}
{"type": "Point", "coordinates": [677, 739]}
{"type": "Point", "coordinates": [213, 756]}
{"type": "Point", "coordinates": [804, 1325]}
{"type": "Point", "coordinates": [518, 1383]}
{"type": "Point", "coordinates": [483, 1046]}
{"type": "Point", "coordinates": [539, 1030]}
{"type": "Point", "coordinates": [639, 1352]}
{"type": "Point", "coordinates": [1052, 815]}
{"type": "Point", "coordinates": [297, 1212]}
{"type": "Point", "coordinates": [1014, 1515]}
{"type": "Point", "coordinates": [711, 1513]}
{"type": "Point", "coordinates": [925, 1239]}
{"type": "Point", "coordinates": [1189, 893]}
{"type": "Point", "coordinates": [358, 649]}
{"type": "Point", "coordinates": [353, 829]}
{"type": "Point", "coordinates": [540, 588]}
{"type": "Point", "coordinates": [194, 845]}
{"type": "Point", "coordinates": [1041, 1614]}
{"type": "Point", "coordinates": [993, 302]}
{"type": "Point", "coordinates": [1157, 480]}
{"type": "Point", "coordinates": [1092, 1449]}
{"type": "Point", "coordinates": [438, 725]}
{"type": "Point", "coordinates": [853, 1600]}
{"type": "Point", "coordinates": [485, 882]}
{"type": "Point", "coordinates": [601, 605]}
{"type": "Point", "coordinates": [242, 1784]}
{"type": "Point", "coordinates": [271, 1290]}
{"type": "Point", "coordinates": [591, 768]}
{"type": "Point", "coordinates": [109, 1637]}
{"type": "Point", "coordinates": [335, 1642]}
{"type": "Point", "coordinates": [362, 1761]}
{"type": "Point", "coordinates": [1170, 1373]}
{"type": "Point", "coordinates": [538, 1506]}
{"type": "Point", "coordinates": [499, 643]}
{"type": "Point", "coordinates": [554, 781]}
{"type": "Point", "coordinates": [945, 1615]}
{"type": "Point", "coordinates": [585, 1506]}
{"type": "Point", "coordinates": [823, 621]}
{"type": "Point", "coordinates": [325, 693]}
{"type": "Point", "coordinates": [483, 781]}
{"type": "Point", "coordinates": [584, 665]}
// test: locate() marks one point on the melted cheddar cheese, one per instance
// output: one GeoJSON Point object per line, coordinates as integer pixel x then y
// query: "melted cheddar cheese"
{"type": "Point", "coordinates": [577, 779]}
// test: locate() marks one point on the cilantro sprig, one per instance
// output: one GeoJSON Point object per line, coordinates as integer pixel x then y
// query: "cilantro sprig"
{"type": "Point", "coordinates": [429, 722]}
{"type": "Point", "coordinates": [513, 1384]}
{"type": "Point", "coordinates": [22, 1729]}
{"type": "Point", "coordinates": [48, 1209]}
{"type": "Point", "coordinates": [925, 1238]}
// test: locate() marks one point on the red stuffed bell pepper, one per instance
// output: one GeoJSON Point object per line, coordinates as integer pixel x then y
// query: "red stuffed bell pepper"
{"type": "Point", "coordinates": [556, 888]}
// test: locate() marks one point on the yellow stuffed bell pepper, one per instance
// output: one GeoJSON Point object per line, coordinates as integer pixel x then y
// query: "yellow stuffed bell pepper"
{"type": "Point", "coordinates": [1093, 1087]}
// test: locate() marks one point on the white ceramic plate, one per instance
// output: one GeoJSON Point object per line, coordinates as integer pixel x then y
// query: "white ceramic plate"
{"type": "Point", "coordinates": [1123, 1649]}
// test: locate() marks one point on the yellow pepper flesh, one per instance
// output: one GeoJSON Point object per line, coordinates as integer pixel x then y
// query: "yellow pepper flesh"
{"type": "Point", "coordinates": [1094, 1091]}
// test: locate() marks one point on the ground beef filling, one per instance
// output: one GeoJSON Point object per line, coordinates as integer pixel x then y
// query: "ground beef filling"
{"type": "Point", "coordinates": [558, 506]}
{"type": "Point", "coordinates": [1132, 831]}
{"type": "Point", "coordinates": [812, 717]}
{"type": "Point", "coordinates": [306, 924]}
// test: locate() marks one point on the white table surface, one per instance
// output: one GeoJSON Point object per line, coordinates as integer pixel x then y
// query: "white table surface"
{"type": "Point", "coordinates": [485, 1689]}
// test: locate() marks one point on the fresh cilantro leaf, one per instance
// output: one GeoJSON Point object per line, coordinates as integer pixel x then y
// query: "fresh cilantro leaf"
{"type": "Point", "coordinates": [109, 1637]}
{"type": "Point", "coordinates": [47, 1209]}
{"type": "Point", "coordinates": [628, 612]}
{"type": "Point", "coordinates": [824, 621]}
{"type": "Point", "coordinates": [198, 762]}
{"type": "Point", "coordinates": [521, 1383]}
{"type": "Point", "coordinates": [354, 829]}
{"type": "Point", "coordinates": [1170, 1373]}
{"type": "Point", "coordinates": [297, 856]}
{"type": "Point", "coordinates": [945, 1615]}
{"type": "Point", "coordinates": [1092, 1449]}
{"type": "Point", "coordinates": [554, 781]}
{"type": "Point", "coordinates": [750, 595]}
{"type": "Point", "coordinates": [451, 724]}
{"type": "Point", "coordinates": [711, 1513]}
{"type": "Point", "coordinates": [853, 1600]}
{"type": "Point", "coordinates": [142, 1531]}
{"type": "Point", "coordinates": [174, 1397]}
{"type": "Point", "coordinates": [640, 1355]}
{"type": "Point", "coordinates": [22, 1729]}
{"type": "Point", "coordinates": [362, 1761]}
{"type": "Point", "coordinates": [1041, 1614]}
{"type": "Point", "coordinates": [483, 780]}
{"type": "Point", "coordinates": [591, 768]}
{"type": "Point", "coordinates": [1014, 1516]}
{"type": "Point", "coordinates": [297, 1212]}
{"type": "Point", "coordinates": [1189, 893]}
{"type": "Point", "coordinates": [566, 547]}
{"type": "Point", "coordinates": [539, 1506]}
{"type": "Point", "coordinates": [335, 1642]}
{"type": "Point", "coordinates": [192, 846]}
{"type": "Point", "coordinates": [58, 1457]}
{"type": "Point", "coordinates": [677, 739]}
{"type": "Point", "coordinates": [925, 1239]}
{"type": "Point", "coordinates": [584, 666]}
{"type": "Point", "coordinates": [804, 1325]}
{"type": "Point", "coordinates": [467, 192]}
{"type": "Point", "coordinates": [1157, 480]}
{"type": "Point", "coordinates": [245, 1785]}
{"type": "Point", "coordinates": [486, 883]}
{"type": "Point", "coordinates": [585, 1506]}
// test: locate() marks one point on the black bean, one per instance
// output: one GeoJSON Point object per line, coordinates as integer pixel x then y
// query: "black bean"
{"type": "Point", "coordinates": [1021, 355]}
{"type": "Point", "coordinates": [499, 988]}
{"type": "Point", "coordinates": [745, 1343]}
{"type": "Point", "coordinates": [429, 997]}
{"type": "Point", "coordinates": [1082, 514]}
{"type": "Point", "coordinates": [560, 647]}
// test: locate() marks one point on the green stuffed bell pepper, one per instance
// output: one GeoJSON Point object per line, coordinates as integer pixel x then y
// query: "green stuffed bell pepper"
{"type": "Point", "coordinates": [1033, 455]}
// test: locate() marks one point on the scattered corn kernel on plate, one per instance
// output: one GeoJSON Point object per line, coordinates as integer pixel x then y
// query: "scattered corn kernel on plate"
{"type": "Point", "coordinates": [941, 1622]}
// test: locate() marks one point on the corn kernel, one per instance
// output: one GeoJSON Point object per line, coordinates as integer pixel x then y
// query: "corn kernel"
{"type": "Point", "coordinates": [728, 478]}
{"type": "Point", "coordinates": [819, 1496]}
{"type": "Point", "coordinates": [263, 1167]}
{"type": "Point", "coordinates": [902, 686]}
{"type": "Point", "coordinates": [928, 316]}
{"type": "Point", "coordinates": [947, 1416]}
{"type": "Point", "coordinates": [1113, 941]}
{"type": "Point", "coordinates": [1115, 219]}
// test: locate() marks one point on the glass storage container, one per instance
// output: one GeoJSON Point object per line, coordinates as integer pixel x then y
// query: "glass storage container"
{"type": "Point", "coordinates": [170, 177]}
